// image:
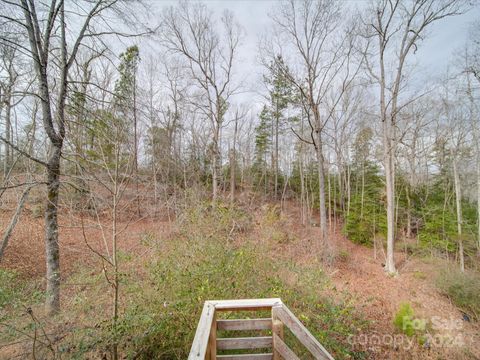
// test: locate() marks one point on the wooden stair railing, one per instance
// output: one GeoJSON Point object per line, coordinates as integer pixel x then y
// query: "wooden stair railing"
{"type": "Point", "coordinates": [206, 344]}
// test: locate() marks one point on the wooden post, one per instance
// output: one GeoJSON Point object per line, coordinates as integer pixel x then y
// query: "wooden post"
{"type": "Point", "coordinates": [277, 328]}
{"type": "Point", "coordinates": [212, 340]}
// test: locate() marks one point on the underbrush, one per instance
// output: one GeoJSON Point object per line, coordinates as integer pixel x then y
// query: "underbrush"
{"type": "Point", "coordinates": [15, 293]}
{"type": "Point", "coordinates": [162, 295]}
{"type": "Point", "coordinates": [463, 289]}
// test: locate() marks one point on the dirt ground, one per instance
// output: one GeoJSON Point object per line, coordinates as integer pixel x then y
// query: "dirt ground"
{"type": "Point", "coordinates": [354, 271]}
{"type": "Point", "coordinates": [379, 296]}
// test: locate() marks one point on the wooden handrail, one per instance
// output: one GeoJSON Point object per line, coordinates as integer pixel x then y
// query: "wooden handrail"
{"type": "Point", "coordinates": [246, 304]}
{"type": "Point", "coordinates": [206, 343]}
{"type": "Point", "coordinates": [301, 332]}
{"type": "Point", "coordinates": [200, 341]}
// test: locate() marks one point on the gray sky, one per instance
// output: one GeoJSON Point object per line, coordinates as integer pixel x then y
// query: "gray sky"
{"type": "Point", "coordinates": [444, 39]}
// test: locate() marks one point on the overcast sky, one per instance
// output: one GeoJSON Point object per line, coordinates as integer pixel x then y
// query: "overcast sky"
{"type": "Point", "coordinates": [444, 39]}
{"type": "Point", "coordinates": [445, 36]}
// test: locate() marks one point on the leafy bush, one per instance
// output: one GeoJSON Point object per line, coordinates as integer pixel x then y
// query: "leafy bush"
{"type": "Point", "coordinates": [462, 288]}
{"type": "Point", "coordinates": [403, 320]}
{"type": "Point", "coordinates": [15, 292]}
{"type": "Point", "coordinates": [9, 287]}
{"type": "Point", "coordinates": [212, 220]}
{"type": "Point", "coordinates": [162, 308]}
{"type": "Point", "coordinates": [194, 273]}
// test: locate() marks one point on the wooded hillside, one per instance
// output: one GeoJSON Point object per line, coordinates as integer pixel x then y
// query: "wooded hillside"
{"type": "Point", "coordinates": [148, 165]}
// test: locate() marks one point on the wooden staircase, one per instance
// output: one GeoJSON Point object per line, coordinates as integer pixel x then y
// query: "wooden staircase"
{"type": "Point", "coordinates": [206, 343]}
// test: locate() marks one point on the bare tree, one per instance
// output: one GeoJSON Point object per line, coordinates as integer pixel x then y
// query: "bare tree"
{"type": "Point", "coordinates": [471, 65]}
{"type": "Point", "coordinates": [190, 31]}
{"type": "Point", "coordinates": [323, 57]}
{"type": "Point", "coordinates": [397, 27]}
{"type": "Point", "coordinates": [8, 64]}
{"type": "Point", "coordinates": [53, 53]}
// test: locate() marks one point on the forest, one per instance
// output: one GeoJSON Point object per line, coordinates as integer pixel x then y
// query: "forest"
{"type": "Point", "coordinates": [158, 155]}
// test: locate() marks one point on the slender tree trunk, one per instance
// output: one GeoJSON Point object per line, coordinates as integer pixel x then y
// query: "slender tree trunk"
{"type": "Point", "coordinates": [276, 150]}
{"type": "Point", "coordinates": [349, 190]}
{"type": "Point", "coordinates": [329, 202]}
{"type": "Point", "coordinates": [135, 142]}
{"type": "Point", "coordinates": [215, 166]}
{"type": "Point", "coordinates": [217, 123]}
{"type": "Point", "coordinates": [51, 232]}
{"type": "Point", "coordinates": [8, 132]}
{"type": "Point", "coordinates": [302, 187]}
{"type": "Point", "coordinates": [13, 222]}
{"type": "Point", "coordinates": [458, 202]}
{"type": "Point", "coordinates": [390, 189]}
{"type": "Point", "coordinates": [478, 203]}
{"type": "Point", "coordinates": [116, 281]}
{"type": "Point", "coordinates": [233, 163]}
{"type": "Point", "coordinates": [409, 212]}
{"type": "Point", "coordinates": [321, 191]}
{"type": "Point", "coordinates": [341, 186]}
{"type": "Point", "coordinates": [362, 196]}
{"type": "Point", "coordinates": [334, 205]}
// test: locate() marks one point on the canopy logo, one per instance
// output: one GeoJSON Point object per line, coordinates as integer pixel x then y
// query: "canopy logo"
{"type": "Point", "coordinates": [414, 324]}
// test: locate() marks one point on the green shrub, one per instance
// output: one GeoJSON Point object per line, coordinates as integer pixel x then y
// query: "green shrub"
{"type": "Point", "coordinates": [462, 288]}
{"type": "Point", "coordinates": [343, 255]}
{"type": "Point", "coordinates": [438, 230]}
{"type": "Point", "coordinates": [162, 308]}
{"type": "Point", "coordinates": [9, 287]}
{"type": "Point", "coordinates": [163, 320]}
{"type": "Point", "coordinates": [406, 322]}
{"type": "Point", "coordinates": [367, 216]}
{"type": "Point", "coordinates": [403, 320]}
{"type": "Point", "coordinates": [15, 291]}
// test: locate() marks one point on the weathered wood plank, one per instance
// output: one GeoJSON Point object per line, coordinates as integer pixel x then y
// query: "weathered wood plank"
{"type": "Point", "coordinates": [277, 331]}
{"type": "Point", "coordinates": [283, 350]}
{"type": "Point", "coordinates": [246, 304]}
{"type": "Point", "coordinates": [245, 357]}
{"type": "Point", "coordinates": [244, 324]}
{"type": "Point", "coordinates": [200, 341]}
{"type": "Point", "coordinates": [212, 341]}
{"type": "Point", "coordinates": [301, 332]}
{"type": "Point", "coordinates": [259, 342]}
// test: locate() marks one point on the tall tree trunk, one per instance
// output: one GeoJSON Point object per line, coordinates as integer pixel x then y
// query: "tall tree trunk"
{"type": "Point", "coordinates": [233, 163]}
{"type": "Point", "coordinates": [334, 205]}
{"type": "Point", "coordinates": [303, 199]}
{"type": "Point", "coordinates": [321, 193]}
{"type": "Point", "coordinates": [116, 278]}
{"type": "Point", "coordinates": [321, 176]}
{"type": "Point", "coordinates": [409, 211]}
{"type": "Point", "coordinates": [362, 196]}
{"type": "Point", "coordinates": [215, 164]}
{"type": "Point", "coordinates": [458, 202]}
{"type": "Point", "coordinates": [478, 203]}
{"type": "Point", "coordinates": [349, 189]}
{"type": "Point", "coordinates": [135, 140]}
{"type": "Point", "coordinates": [390, 189]}
{"type": "Point", "coordinates": [52, 248]}
{"type": "Point", "coordinates": [277, 120]}
{"type": "Point", "coordinates": [8, 132]}
{"type": "Point", "coordinates": [329, 202]}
